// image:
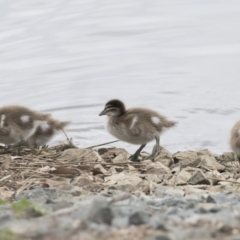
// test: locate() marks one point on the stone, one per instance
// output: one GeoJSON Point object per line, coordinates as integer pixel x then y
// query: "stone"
{"type": "Point", "coordinates": [158, 221]}
{"type": "Point", "coordinates": [216, 198]}
{"type": "Point", "coordinates": [162, 237]}
{"type": "Point", "coordinates": [100, 212]}
{"type": "Point", "coordinates": [36, 195]}
{"type": "Point", "coordinates": [139, 218]}
{"type": "Point", "coordinates": [198, 177]}
{"type": "Point", "coordinates": [176, 170]}
{"type": "Point", "coordinates": [205, 152]}
{"type": "Point", "coordinates": [168, 191]}
{"type": "Point", "coordinates": [99, 169]}
{"type": "Point", "coordinates": [195, 163]}
{"type": "Point", "coordinates": [121, 158]}
{"type": "Point", "coordinates": [157, 168]}
{"type": "Point", "coordinates": [60, 205]}
{"type": "Point", "coordinates": [183, 177]}
{"type": "Point", "coordinates": [227, 157]}
{"type": "Point", "coordinates": [214, 176]}
{"type": "Point", "coordinates": [185, 157]}
{"type": "Point", "coordinates": [122, 179]}
{"type": "Point", "coordinates": [211, 163]}
{"type": "Point", "coordinates": [193, 190]}
{"type": "Point", "coordinates": [108, 154]}
{"type": "Point", "coordinates": [207, 208]}
{"type": "Point", "coordinates": [165, 157]}
{"type": "Point", "coordinates": [120, 222]}
{"type": "Point", "coordinates": [80, 154]}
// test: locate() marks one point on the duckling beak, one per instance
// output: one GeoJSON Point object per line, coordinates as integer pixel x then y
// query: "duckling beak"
{"type": "Point", "coordinates": [102, 112]}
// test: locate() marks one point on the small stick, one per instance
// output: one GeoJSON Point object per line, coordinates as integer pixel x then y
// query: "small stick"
{"type": "Point", "coordinates": [69, 140]}
{"type": "Point", "coordinates": [102, 144]}
{"type": "Point", "coordinates": [26, 185]}
{"type": "Point", "coordinates": [5, 178]}
{"type": "Point", "coordinates": [222, 180]}
{"type": "Point", "coordinates": [132, 163]}
{"type": "Point", "coordinates": [206, 168]}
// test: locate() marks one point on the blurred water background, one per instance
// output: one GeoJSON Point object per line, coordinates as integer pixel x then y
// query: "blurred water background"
{"type": "Point", "coordinates": [179, 57]}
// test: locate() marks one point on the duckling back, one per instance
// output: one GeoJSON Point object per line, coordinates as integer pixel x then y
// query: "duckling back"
{"type": "Point", "coordinates": [20, 123]}
{"type": "Point", "coordinates": [138, 125]}
{"type": "Point", "coordinates": [151, 119]}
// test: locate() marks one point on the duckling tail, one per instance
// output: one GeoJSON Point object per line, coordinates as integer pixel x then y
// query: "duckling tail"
{"type": "Point", "coordinates": [169, 124]}
{"type": "Point", "coordinates": [62, 125]}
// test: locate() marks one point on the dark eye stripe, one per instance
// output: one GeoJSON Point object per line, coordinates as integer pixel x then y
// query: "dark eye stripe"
{"type": "Point", "coordinates": [109, 108]}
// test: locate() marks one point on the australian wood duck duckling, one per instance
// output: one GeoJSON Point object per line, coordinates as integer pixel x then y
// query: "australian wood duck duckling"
{"type": "Point", "coordinates": [235, 139]}
{"type": "Point", "coordinates": [20, 125]}
{"type": "Point", "coordinates": [136, 125]}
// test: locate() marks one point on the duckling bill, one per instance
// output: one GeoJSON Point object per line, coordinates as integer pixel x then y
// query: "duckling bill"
{"type": "Point", "coordinates": [136, 125]}
{"type": "Point", "coordinates": [21, 125]}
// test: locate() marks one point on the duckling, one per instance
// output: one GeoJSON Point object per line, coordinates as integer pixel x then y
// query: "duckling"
{"type": "Point", "coordinates": [235, 139]}
{"type": "Point", "coordinates": [23, 126]}
{"type": "Point", "coordinates": [137, 125]}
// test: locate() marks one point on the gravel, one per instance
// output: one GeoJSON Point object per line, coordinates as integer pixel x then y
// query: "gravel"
{"type": "Point", "coordinates": [168, 213]}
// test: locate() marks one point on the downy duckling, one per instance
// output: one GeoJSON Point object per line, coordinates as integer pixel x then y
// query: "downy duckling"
{"type": "Point", "coordinates": [22, 126]}
{"type": "Point", "coordinates": [235, 139]}
{"type": "Point", "coordinates": [137, 125]}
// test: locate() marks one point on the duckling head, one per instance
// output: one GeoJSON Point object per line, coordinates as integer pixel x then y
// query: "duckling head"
{"type": "Point", "coordinates": [113, 108]}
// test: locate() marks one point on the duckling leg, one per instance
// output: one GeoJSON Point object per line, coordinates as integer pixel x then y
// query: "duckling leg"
{"type": "Point", "coordinates": [19, 144]}
{"type": "Point", "coordinates": [134, 157]}
{"type": "Point", "coordinates": [157, 148]}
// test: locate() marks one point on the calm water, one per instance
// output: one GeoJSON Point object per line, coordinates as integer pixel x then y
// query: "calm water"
{"type": "Point", "coordinates": [180, 57]}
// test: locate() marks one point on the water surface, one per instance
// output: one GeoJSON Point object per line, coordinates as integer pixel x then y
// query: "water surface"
{"type": "Point", "coordinates": [179, 57]}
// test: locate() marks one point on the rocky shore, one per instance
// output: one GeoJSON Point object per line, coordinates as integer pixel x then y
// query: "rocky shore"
{"type": "Point", "coordinates": [70, 193]}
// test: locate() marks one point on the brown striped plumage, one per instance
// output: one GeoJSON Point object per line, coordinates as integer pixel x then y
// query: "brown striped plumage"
{"type": "Point", "coordinates": [136, 125]}
{"type": "Point", "coordinates": [235, 139]}
{"type": "Point", "coordinates": [19, 123]}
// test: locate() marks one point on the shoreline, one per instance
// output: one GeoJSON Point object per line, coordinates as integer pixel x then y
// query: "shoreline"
{"type": "Point", "coordinates": [87, 193]}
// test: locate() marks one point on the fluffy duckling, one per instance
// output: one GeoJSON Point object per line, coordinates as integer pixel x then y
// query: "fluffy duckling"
{"type": "Point", "coordinates": [235, 139]}
{"type": "Point", "coordinates": [22, 126]}
{"type": "Point", "coordinates": [137, 125]}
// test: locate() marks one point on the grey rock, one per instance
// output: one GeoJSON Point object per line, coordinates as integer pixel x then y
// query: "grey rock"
{"type": "Point", "coordinates": [205, 152]}
{"type": "Point", "coordinates": [60, 205]}
{"type": "Point", "coordinates": [157, 168]}
{"type": "Point", "coordinates": [236, 238]}
{"type": "Point", "coordinates": [207, 208]}
{"type": "Point", "coordinates": [198, 178]}
{"type": "Point", "coordinates": [170, 202]}
{"type": "Point", "coordinates": [172, 211]}
{"type": "Point", "coordinates": [162, 237]}
{"type": "Point", "coordinates": [195, 163]}
{"type": "Point", "coordinates": [165, 157]}
{"type": "Point", "coordinates": [185, 157]}
{"type": "Point", "coordinates": [168, 191]}
{"type": "Point", "coordinates": [217, 198]}
{"type": "Point", "coordinates": [183, 177]}
{"type": "Point", "coordinates": [227, 157]}
{"type": "Point", "coordinates": [158, 221]}
{"type": "Point", "coordinates": [36, 195]}
{"type": "Point", "coordinates": [101, 212]}
{"type": "Point", "coordinates": [121, 222]}
{"type": "Point", "coordinates": [139, 218]}
{"type": "Point", "coordinates": [81, 154]}
{"type": "Point", "coordinates": [5, 217]}
{"type": "Point", "coordinates": [211, 163]}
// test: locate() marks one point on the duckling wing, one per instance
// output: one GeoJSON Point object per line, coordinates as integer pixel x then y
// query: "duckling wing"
{"type": "Point", "coordinates": [5, 131]}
